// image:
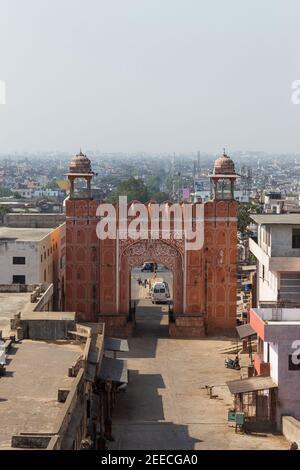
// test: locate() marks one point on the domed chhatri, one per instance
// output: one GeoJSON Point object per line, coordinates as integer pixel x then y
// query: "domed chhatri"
{"type": "Point", "coordinates": [223, 178]}
{"type": "Point", "coordinates": [80, 164]}
{"type": "Point", "coordinates": [224, 165]}
{"type": "Point", "coordinates": [80, 168]}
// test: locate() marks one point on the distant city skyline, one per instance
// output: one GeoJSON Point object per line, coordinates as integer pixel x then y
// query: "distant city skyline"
{"type": "Point", "coordinates": [149, 76]}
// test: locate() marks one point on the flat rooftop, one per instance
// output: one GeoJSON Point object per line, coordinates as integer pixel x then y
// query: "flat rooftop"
{"type": "Point", "coordinates": [273, 219]}
{"type": "Point", "coordinates": [28, 392]}
{"type": "Point", "coordinates": [284, 316]}
{"type": "Point", "coordinates": [23, 234]}
{"type": "Point", "coordinates": [11, 303]}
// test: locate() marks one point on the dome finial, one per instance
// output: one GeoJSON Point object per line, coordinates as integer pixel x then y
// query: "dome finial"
{"type": "Point", "coordinates": [224, 165]}
{"type": "Point", "coordinates": [80, 163]}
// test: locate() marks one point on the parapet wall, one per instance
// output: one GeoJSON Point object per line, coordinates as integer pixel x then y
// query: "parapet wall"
{"type": "Point", "coordinates": [291, 429]}
{"type": "Point", "coordinates": [36, 321]}
{"type": "Point", "coordinates": [33, 220]}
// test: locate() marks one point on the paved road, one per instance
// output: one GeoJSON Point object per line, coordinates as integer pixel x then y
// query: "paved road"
{"type": "Point", "coordinates": [140, 292]}
{"type": "Point", "coordinates": [166, 406]}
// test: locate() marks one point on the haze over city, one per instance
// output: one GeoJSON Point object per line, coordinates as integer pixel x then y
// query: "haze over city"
{"type": "Point", "coordinates": [150, 75]}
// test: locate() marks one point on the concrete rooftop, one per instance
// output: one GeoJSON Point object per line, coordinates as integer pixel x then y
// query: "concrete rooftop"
{"type": "Point", "coordinates": [11, 303]}
{"type": "Point", "coordinates": [28, 392]}
{"type": "Point", "coordinates": [286, 316]}
{"type": "Point", "coordinates": [24, 234]}
{"type": "Point", "coordinates": [289, 219]}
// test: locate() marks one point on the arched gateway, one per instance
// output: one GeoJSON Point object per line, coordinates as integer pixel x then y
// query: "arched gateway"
{"type": "Point", "coordinates": [204, 278]}
{"type": "Point", "coordinates": [157, 251]}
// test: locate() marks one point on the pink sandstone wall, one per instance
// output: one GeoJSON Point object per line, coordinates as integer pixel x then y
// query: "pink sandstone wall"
{"type": "Point", "coordinates": [210, 273]}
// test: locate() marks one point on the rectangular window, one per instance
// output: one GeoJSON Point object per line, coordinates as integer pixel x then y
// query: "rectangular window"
{"type": "Point", "coordinates": [18, 259]}
{"type": "Point", "coordinates": [296, 238]}
{"type": "Point", "coordinates": [19, 280]}
{"type": "Point", "coordinates": [62, 261]}
{"type": "Point", "coordinates": [268, 236]}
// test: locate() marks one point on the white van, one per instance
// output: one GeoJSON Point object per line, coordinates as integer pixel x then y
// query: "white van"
{"type": "Point", "coordinates": [160, 292]}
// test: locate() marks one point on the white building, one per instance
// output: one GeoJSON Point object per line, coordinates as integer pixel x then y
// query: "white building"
{"type": "Point", "coordinates": [276, 203]}
{"type": "Point", "coordinates": [33, 256]}
{"type": "Point", "coordinates": [277, 250]}
{"type": "Point", "coordinates": [26, 193]}
{"type": "Point", "coordinates": [273, 202]}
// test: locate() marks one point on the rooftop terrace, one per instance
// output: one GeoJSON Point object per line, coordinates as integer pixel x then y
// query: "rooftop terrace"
{"type": "Point", "coordinates": [24, 234]}
{"type": "Point", "coordinates": [279, 315]}
{"type": "Point", "coordinates": [10, 304]}
{"type": "Point", "coordinates": [35, 372]}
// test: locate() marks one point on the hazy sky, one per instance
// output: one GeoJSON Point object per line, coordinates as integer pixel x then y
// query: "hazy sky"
{"type": "Point", "coordinates": [149, 75]}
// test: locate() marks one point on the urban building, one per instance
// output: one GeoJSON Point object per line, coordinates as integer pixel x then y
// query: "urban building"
{"type": "Point", "coordinates": [277, 250]}
{"type": "Point", "coordinates": [33, 256]}
{"type": "Point", "coordinates": [277, 203]}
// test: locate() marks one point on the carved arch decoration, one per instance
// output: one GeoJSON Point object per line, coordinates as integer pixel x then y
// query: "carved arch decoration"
{"type": "Point", "coordinates": [157, 251]}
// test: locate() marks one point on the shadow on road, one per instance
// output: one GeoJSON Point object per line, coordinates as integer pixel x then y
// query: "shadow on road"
{"type": "Point", "coordinates": [139, 418]}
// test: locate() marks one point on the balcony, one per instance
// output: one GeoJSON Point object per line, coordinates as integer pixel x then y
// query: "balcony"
{"type": "Point", "coordinates": [274, 263]}
{"type": "Point", "coordinates": [258, 252]}
{"type": "Point", "coordinates": [290, 264]}
{"type": "Point", "coordinates": [261, 367]}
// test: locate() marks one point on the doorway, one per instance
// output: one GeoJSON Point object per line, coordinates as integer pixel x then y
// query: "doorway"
{"type": "Point", "coordinates": [151, 313]}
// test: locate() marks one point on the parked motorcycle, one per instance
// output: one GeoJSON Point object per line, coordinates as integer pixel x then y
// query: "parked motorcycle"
{"type": "Point", "coordinates": [232, 363]}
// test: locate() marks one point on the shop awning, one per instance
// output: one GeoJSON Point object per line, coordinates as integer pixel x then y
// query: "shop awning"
{"type": "Point", "coordinates": [244, 331]}
{"type": "Point", "coordinates": [115, 344]}
{"type": "Point", "coordinates": [114, 369]}
{"type": "Point", "coordinates": [252, 384]}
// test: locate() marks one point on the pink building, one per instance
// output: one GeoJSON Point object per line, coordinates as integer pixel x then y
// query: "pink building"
{"type": "Point", "coordinates": [278, 355]}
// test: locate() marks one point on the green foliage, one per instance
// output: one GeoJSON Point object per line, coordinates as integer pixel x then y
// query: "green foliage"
{"type": "Point", "coordinates": [4, 192]}
{"type": "Point", "coordinates": [51, 185]}
{"type": "Point", "coordinates": [3, 210]}
{"type": "Point", "coordinates": [244, 215]}
{"type": "Point", "coordinates": [133, 188]}
{"type": "Point", "coordinates": [153, 184]}
{"type": "Point", "coordinates": [160, 196]}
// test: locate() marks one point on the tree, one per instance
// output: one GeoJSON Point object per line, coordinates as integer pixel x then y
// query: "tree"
{"type": "Point", "coordinates": [51, 185]}
{"type": "Point", "coordinates": [133, 188]}
{"type": "Point", "coordinates": [4, 192]}
{"type": "Point", "coordinates": [153, 184]}
{"type": "Point", "coordinates": [160, 196]}
{"type": "Point", "coordinates": [244, 215]}
{"type": "Point", "coordinates": [3, 210]}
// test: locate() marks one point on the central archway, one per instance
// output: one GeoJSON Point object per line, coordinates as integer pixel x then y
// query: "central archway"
{"type": "Point", "coordinates": [156, 251]}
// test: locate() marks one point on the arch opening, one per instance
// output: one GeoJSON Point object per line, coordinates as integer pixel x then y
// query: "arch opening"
{"type": "Point", "coordinates": [168, 261]}
{"type": "Point", "coordinates": [151, 289]}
